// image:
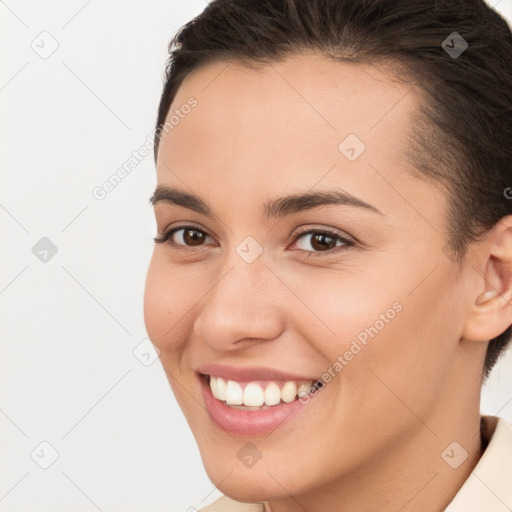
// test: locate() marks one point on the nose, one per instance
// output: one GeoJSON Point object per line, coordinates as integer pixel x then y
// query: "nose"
{"type": "Point", "coordinates": [245, 304]}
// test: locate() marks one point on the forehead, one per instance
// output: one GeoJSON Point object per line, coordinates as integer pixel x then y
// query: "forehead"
{"type": "Point", "coordinates": [309, 99]}
{"type": "Point", "coordinates": [287, 123]}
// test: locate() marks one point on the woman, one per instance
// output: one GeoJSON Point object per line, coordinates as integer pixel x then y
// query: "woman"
{"type": "Point", "coordinates": [332, 274]}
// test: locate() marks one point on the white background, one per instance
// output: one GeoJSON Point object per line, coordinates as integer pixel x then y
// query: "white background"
{"type": "Point", "coordinates": [68, 374]}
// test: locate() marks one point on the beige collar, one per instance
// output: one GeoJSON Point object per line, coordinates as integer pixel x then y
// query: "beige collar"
{"type": "Point", "coordinates": [489, 486]}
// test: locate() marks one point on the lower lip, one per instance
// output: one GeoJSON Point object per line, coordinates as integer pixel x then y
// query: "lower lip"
{"type": "Point", "coordinates": [247, 423]}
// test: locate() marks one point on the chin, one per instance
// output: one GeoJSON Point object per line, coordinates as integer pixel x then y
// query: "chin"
{"type": "Point", "coordinates": [259, 483]}
{"type": "Point", "coordinates": [240, 483]}
{"type": "Point", "coordinates": [242, 489]}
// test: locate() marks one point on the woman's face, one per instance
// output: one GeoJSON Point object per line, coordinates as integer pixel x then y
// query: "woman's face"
{"type": "Point", "coordinates": [381, 314]}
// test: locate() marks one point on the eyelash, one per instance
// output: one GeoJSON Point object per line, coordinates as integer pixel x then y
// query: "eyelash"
{"type": "Point", "coordinates": [165, 237]}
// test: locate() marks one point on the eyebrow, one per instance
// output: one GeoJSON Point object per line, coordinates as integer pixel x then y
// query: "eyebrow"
{"type": "Point", "coordinates": [275, 208]}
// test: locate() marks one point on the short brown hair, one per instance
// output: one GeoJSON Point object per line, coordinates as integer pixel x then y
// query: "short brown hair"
{"type": "Point", "coordinates": [462, 133]}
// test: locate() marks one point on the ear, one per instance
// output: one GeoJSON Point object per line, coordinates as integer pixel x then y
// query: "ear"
{"type": "Point", "coordinates": [491, 310]}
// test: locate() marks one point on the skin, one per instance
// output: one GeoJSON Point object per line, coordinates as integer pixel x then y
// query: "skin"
{"type": "Point", "coordinates": [372, 438]}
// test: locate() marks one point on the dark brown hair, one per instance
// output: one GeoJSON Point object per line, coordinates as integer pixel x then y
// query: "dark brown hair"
{"type": "Point", "coordinates": [461, 135]}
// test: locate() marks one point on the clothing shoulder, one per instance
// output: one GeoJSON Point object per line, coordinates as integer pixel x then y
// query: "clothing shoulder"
{"type": "Point", "coordinates": [488, 486]}
{"type": "Point", "coordinates": [225, 504]}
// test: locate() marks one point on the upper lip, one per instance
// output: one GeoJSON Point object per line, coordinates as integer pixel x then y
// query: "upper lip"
{"type": "Point", "coordinates": [249, 373]}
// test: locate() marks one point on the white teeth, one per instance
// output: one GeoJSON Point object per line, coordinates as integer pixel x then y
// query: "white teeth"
{"type": "Point", "coordinates": [218, 387]}
{"type": "Point", "coordinates": [213, 387]}
{"type": "Point", "coordinates": [253, 395]}
{"type": "Point", "coordinates": [234, 393]}
{"type": "Point", "coordinates": [221, 388]}
{"type": "Point", "coordinates": [289, 392]}
{"type": "Point", "coordinates": [272, 394]}
{"type": "Point", "coordinates": [302, 390]}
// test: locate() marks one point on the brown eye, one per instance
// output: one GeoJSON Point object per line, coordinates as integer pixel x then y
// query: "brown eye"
{"type": "Point", "coordinates": [187, 236]}
{"type": "Point", "coordinates": [322, 242]}
{"type": "Point", "coordinates": [318, 241]}
{"type": "Point", "coordinates": [193, 236]}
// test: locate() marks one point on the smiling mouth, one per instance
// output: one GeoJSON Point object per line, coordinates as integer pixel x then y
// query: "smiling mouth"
{"type": "Point", "coordinates": [258, 395]}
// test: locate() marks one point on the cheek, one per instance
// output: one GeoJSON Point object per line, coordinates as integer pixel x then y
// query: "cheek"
{"type": "Point", "coordinates": [361, 322]}
{"type": "Point", "coordinates": [173, 297]}
{"type": "Point", "coordinates": [340, 306]}
{"type": "Point", "coordinates": [165, 318]}
{"type": "Point", "coordinates": [405, 360]}
{"type": "Point", "coordinates": [161, 306]}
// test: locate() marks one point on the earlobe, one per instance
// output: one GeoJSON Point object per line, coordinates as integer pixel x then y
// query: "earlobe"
{"type": "Point", "coordinates": [491, 312]}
